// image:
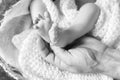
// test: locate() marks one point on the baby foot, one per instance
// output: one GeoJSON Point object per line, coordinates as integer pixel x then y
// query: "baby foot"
{"type": "Point", "coordinates": [59, 36]}
{"type": "Point", "coordinates": [43, 24]}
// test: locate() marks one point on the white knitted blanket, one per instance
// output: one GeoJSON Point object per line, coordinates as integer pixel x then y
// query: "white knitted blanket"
{"type": "Point", "coordinates": [27, 42]}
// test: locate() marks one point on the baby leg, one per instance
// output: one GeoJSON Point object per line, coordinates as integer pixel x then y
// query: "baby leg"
{"type": "Point", "coordinates": [82, 24]}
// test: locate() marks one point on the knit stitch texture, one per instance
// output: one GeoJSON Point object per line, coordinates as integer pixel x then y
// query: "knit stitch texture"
{"type": "Point", "coordinates": [35, 68]}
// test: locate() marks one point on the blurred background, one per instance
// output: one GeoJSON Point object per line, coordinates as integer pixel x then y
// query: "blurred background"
{"type": "Point", "coordinates": [4, 75]}
{"type": "Point", "coordinates": [5, 5]}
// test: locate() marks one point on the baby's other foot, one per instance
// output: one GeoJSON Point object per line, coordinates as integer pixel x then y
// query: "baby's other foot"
{"type": "Point", "coordinates": [44, 24]}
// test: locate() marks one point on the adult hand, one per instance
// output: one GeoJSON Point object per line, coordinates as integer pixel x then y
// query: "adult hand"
{"type": "Point", "coordinates": [80, 58]}
{"type": "Point", "coordinates": [89, 55]}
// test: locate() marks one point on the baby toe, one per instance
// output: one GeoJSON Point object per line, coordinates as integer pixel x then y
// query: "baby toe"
{"type": "Point", "coordinates": [40, 17]}
{"type": "Point", "coordinates": [37, 19]}
{"type": "Point", "coordinates": [46, 15]}
{"type": "Point", "coordinates": [40, 25]}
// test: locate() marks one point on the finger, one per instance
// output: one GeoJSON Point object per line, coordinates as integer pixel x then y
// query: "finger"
{"type": "Point", "coordinates": [64, 55]}
{"type": "Point", "coordinates": [56, 61]}
{"type": "Point", "coordinates": [53, 33]}
{"type": "Point", "coordinates": [48, 21]}
{"type": "Point", "coordinates": [52, 59]}
{"type": "Point", "coordinates": [48, 24]}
